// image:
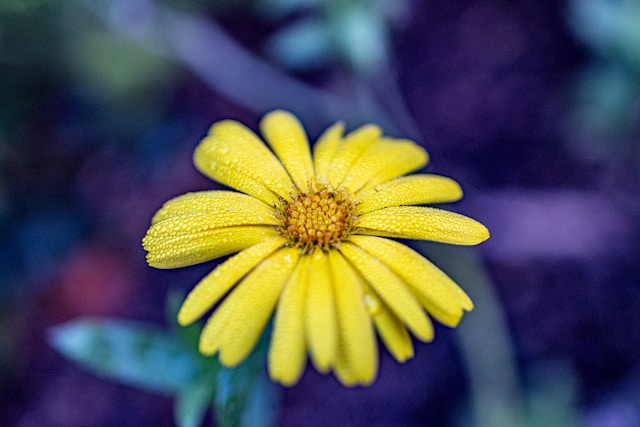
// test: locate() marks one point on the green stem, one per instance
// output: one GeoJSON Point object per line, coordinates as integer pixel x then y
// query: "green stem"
{"type": "Point", "coordinates": [496, 395]}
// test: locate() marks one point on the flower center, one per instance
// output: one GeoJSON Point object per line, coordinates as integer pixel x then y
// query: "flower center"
{"type": "Point", "coordinates": [321, 218]}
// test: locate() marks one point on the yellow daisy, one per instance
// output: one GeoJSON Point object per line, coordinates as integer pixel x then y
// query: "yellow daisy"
{"type": "Point", "coordinates": [311, 232]}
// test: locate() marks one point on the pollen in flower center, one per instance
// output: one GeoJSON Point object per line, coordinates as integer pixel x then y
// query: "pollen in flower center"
{"type": "Point", "coordinates": [321, 218]}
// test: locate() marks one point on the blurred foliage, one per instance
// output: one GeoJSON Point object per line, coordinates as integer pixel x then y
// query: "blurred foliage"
{"type": "Point", "coordinates": [610, 28]}
{"type": "Point", "coordinates": [607, 105]}
{"type": "Point", "coordinates": [552, 394]}
{"type": "Point", "coordinates": [114, 66]}
{"type": "Point", "coordinates": [17, 7]}
{"type": "Point", "coordinates": [121, 82]}
{"type": "Point", "coordinates": [354, 34]}
{"type": "Point", "coordinates": [4, 198]}
{"type": "Point", "coordinates": [168, 362]}
{"type": "Point", "coordinates": [25, 60]}
{"type": "Point", "coordinates": [67, 83]}
{"type": "Point", "coordinates": [207, 6]}
{"type": "Point", "coordinates": [45, 45]}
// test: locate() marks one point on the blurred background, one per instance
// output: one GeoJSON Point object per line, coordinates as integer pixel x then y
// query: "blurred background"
{"type": "Point", "coordinates": [533, 106]}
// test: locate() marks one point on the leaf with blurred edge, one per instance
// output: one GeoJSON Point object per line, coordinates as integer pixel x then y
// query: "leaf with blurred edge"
{"type": "Point", "coordinates": [128, 352]}
{"type": "Point", "coordinates": [134, 353]}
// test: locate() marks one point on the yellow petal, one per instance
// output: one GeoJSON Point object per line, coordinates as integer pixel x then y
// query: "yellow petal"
{"type": "Point", "coordinates": [391, 329]}
{"type": "Point", "coordinates": [440, 295]}
{"type": "Point", "coordinates": [379, 158]}
{"type": "Point", "coordinates": [325, 149]}
{"type": "Point", "coordinates": [167, 251]}
{"type": "Point", "coordinates": [203, 201]}
{"type": "Point", "coordinates": [412, 222]}
{"type": "Point", "coordinates": [320, 316]}
{"type": "Point", "coordinates": [234, 178]}
{"type": "Point", "coordinates": [256, 298]}
{"type": "Point", "coordinates": [412, 157]}
{"type": "Point", "coordinates": [354, 145]}
{"type": "Point", "coordinates": [211, 335]}
{"type": "Point", "coordinates": [391, 289]}
{"type": "Point", "coordinates": [195, 223]}
{"type": "Point", "coordinates": [233, 155]}
{"type": "Point", "coordinates": [217, 283]}
{"type": "Point", "coordinates": [409, 190]}
{"type": "Point", "coordinates": [287, 137]}
{"type": "Point", "coordinates": [343, 370]}
{"type": "Point", "coordinates": [358, 354]}
{"type": "Point", "coordinates": [287, 352]}
{"type": "Point", "coordinates": [446, 317]}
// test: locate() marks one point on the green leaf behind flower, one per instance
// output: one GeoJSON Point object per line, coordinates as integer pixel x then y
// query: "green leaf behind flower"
{"type": "Point", "coordinates": [167, 361]}
{"type": "Point", "coordinates": [128, 352]}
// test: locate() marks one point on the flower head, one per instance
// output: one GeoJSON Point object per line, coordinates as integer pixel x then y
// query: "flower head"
{"type": "Point", "coordinates": [311, 234]}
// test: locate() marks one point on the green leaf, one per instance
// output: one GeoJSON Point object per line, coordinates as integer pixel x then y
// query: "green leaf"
{"type": "Point", "coordinates": [261, 407]}
{"type": "Point", "coordinates": [193, 402]}
{"type": "Point", "coordinates": [128, 352]}
{"type": "Point", "coordinates": [233, 388]}
{"type": "Point", "coordinates": [244, 395]}
{"type": "Point", "coordinates": [189, 335]}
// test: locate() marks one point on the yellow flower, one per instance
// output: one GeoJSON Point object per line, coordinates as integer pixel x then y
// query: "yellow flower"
{"type": "Point", "coordinates": [311, 232]}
